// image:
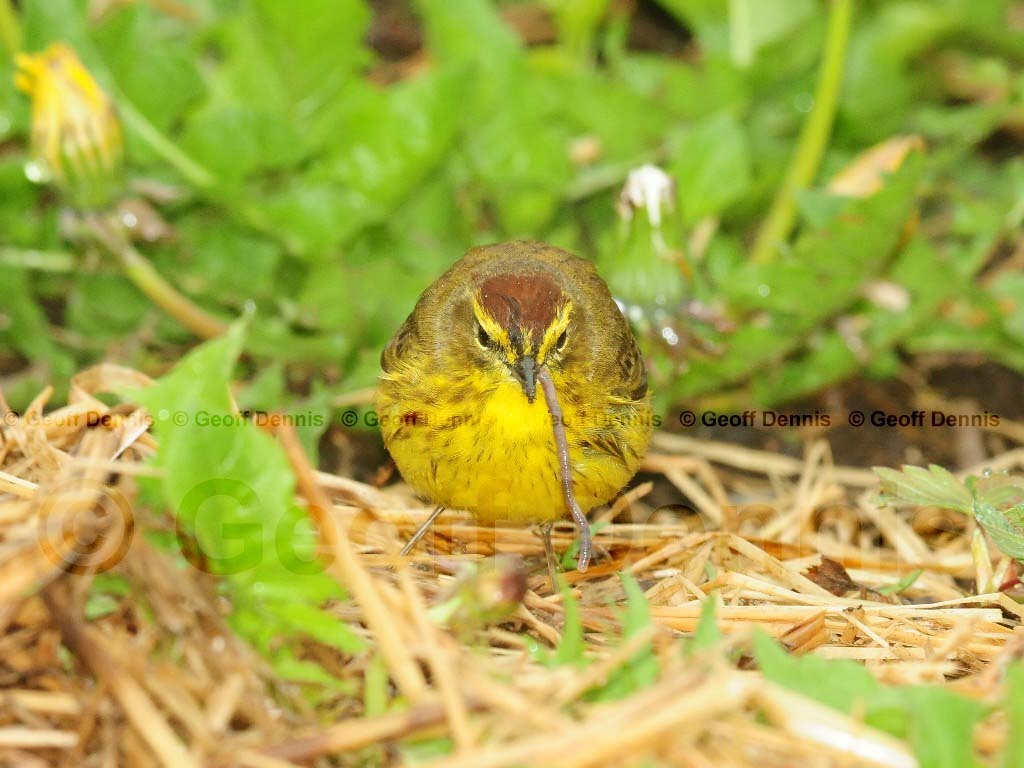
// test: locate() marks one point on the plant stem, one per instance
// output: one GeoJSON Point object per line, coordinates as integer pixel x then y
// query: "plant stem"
{"type": "Point", "coordinates": [150, 282]}
{"type": "Point", "coordinates": [10, 28]}
{"type": "Point", "coordinates": [813, 136]}
{"type": "Point", "coordinates": [201, 178]}
{"type": "Point", "coordinates": [44, 261]}
{"type": "Point", "coordinates": [192, 171]}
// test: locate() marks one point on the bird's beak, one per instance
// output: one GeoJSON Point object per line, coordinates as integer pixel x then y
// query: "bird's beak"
{"type": "Point", "coordinates": [525, 371]}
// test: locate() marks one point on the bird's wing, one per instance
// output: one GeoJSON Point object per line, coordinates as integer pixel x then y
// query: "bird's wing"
{"type": "Point", "coordinates": [392, 354]}
{"type": "Point", "coordinates": [633, 372]}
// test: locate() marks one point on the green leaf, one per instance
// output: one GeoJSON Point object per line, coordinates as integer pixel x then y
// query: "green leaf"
{"type": "Point", "coordinates": [375, 689]}
{"type": "Point", "coordinates": [1009, 289]}
{"type": "Point", "coordinates": [938, 722]}
{"type": "Point", "coordinates": [103, 593]}
{"type": "Point", "coordinates": [1013, 757]}
{"type": "Point", "coordinates": [902, 585]}
{"type": "Point", "coordinates": [219, 259]}
{"type": "Point", "coordinates": [755, 24]}
{"type": "Point", "coordinates": [642, 670]}
{"type": "Point", "coordinates": [98, 605]}
{"type": "Point", "coordinates": [843, 685]}
{"type": "Point", "coordinates": [47, 21]}
{"type": "Point", "coordinates": [709, 19]}
{"type": "Point", "coordinates": [711, 166]}
{"type": "Point", "coordinates": [150, 57]}
{"type": "Point", "coordinates": [259, 141]}
{"type": "Point", "coordinates": [942, 726]}
{"type": "Point", "coordinates": [831, 264]}
{"type": "Point", "coordinates": [23, 325]}
{"type": "Point", "coordinates": [469, 30]}
{"type": "Point", "coordinates": [922, 487]}
{"type": "Point", "coordinates": [231, 487]}
{"type": "Point", "coordinates": [104, 306]}
{"type": "Point", "coordinates": [1004, 527]}
{"type": "Point", "coordinates": [387, 143]}
{"type": "Point", "coordinates": [883, 49]}
{"type": "Point", "coordinates": [570, 647]}
{"type": "Point", "coordinates": [287, 666]}
{"type": "Point", "coordinates": [315, 46]}
{"type": "Point", "coordinates": [707, 635]}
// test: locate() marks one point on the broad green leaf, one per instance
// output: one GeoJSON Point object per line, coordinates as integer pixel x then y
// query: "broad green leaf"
{"type": "Point", "coordinates": [24, 327]}
{"type": "Point", "coordinates": [934, 486]}
{"type": "Point", "coordinates": [942, 726]}
{"type": "Point", "coordinates": [842, 685]}
{"type": "Point", "coordinates": [223, 261]}
{"type": "Point", "coordinates": [832, 358]}
{"type": "Point", "coordinates": [754, 24]}
{"type": "Point", "coordinates": [231, 488]}
{"type": "Point", "coordinates": [105, 306]}
{"type": "Point", "coordinates": [48, 21]}
{"type": "Point", "coordinates": [150, 57]}
{"type": "Point", "coordinates": [1013, 756]}
{"type": "Point", "coordinates": [315, 45]}
{"type": "Point", "coordinates": [709, 19]}
{"type": "Point", "coordinates": [387, 142]}
{"type": "Point", "coordinates": [711, 166]}
{"type": "Point", "coordinates": [883, 48]}
{"type": "Point", "coordinates": [1004, 527]}
{"type": "Point", "coordinates": [259, 140]}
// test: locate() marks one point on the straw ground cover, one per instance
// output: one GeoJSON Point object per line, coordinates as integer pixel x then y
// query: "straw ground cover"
{"type": "Point", "coordinates": [886, 652]}
{"type": "Point", "coordinates": [838, 202]}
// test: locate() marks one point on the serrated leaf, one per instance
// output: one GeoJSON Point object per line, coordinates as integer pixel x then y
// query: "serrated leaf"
{"type": "Point", "coordinates": [935, 487]}
{"type": "Point", "coordinates": [1005, 532]}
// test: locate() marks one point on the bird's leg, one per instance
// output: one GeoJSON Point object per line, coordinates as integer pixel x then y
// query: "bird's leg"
{"type": "Point", "coordinates": [549, 554]}
{"type": "Point", "coordinates": [422, 530]}
{"type": "Point", "coordinates": [565, 469]}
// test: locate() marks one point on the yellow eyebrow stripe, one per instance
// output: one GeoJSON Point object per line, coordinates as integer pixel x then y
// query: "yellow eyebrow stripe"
{"type": "Point", "coordinates": [493, 329]}
{"type": "Point", "coordinates": [558, 325]}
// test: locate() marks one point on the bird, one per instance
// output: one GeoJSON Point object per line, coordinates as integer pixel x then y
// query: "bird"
{"type": "Point", "coordinates": [516, 391]}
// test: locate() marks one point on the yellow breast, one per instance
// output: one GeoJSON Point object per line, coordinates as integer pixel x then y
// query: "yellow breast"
{"type": "Point", "coordinates": [493, 454]}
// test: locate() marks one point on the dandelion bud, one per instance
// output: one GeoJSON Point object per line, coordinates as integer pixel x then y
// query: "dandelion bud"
{"type": "Point", "coordinates": [646, 268]}
{"type": "Point", "coordinates": [650, 188]}
{"type": "Point", "coordinates": [76, 136]}
{"type": "Point", "coordinates": [484, 593]}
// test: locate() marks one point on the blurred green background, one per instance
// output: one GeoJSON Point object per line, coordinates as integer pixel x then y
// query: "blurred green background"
{"type": "Point", "coordinates": [317, 163]}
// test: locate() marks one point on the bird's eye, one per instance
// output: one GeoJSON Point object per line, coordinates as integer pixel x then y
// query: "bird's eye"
{"type": "Point", "coordinates": [560, 342]}
{"type": "Point", "coordinates": [481, 337]}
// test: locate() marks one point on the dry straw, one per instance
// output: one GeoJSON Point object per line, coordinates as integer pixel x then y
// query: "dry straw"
{"type": "Point", "coordinates": [161, 680]}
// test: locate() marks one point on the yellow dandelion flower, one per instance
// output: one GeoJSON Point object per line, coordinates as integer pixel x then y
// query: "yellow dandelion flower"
{"type": "Point", "coordinates": [76, 136]}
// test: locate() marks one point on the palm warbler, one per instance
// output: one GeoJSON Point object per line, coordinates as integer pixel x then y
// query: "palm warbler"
{"type": "Point", "coordinates": [458, 402]}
